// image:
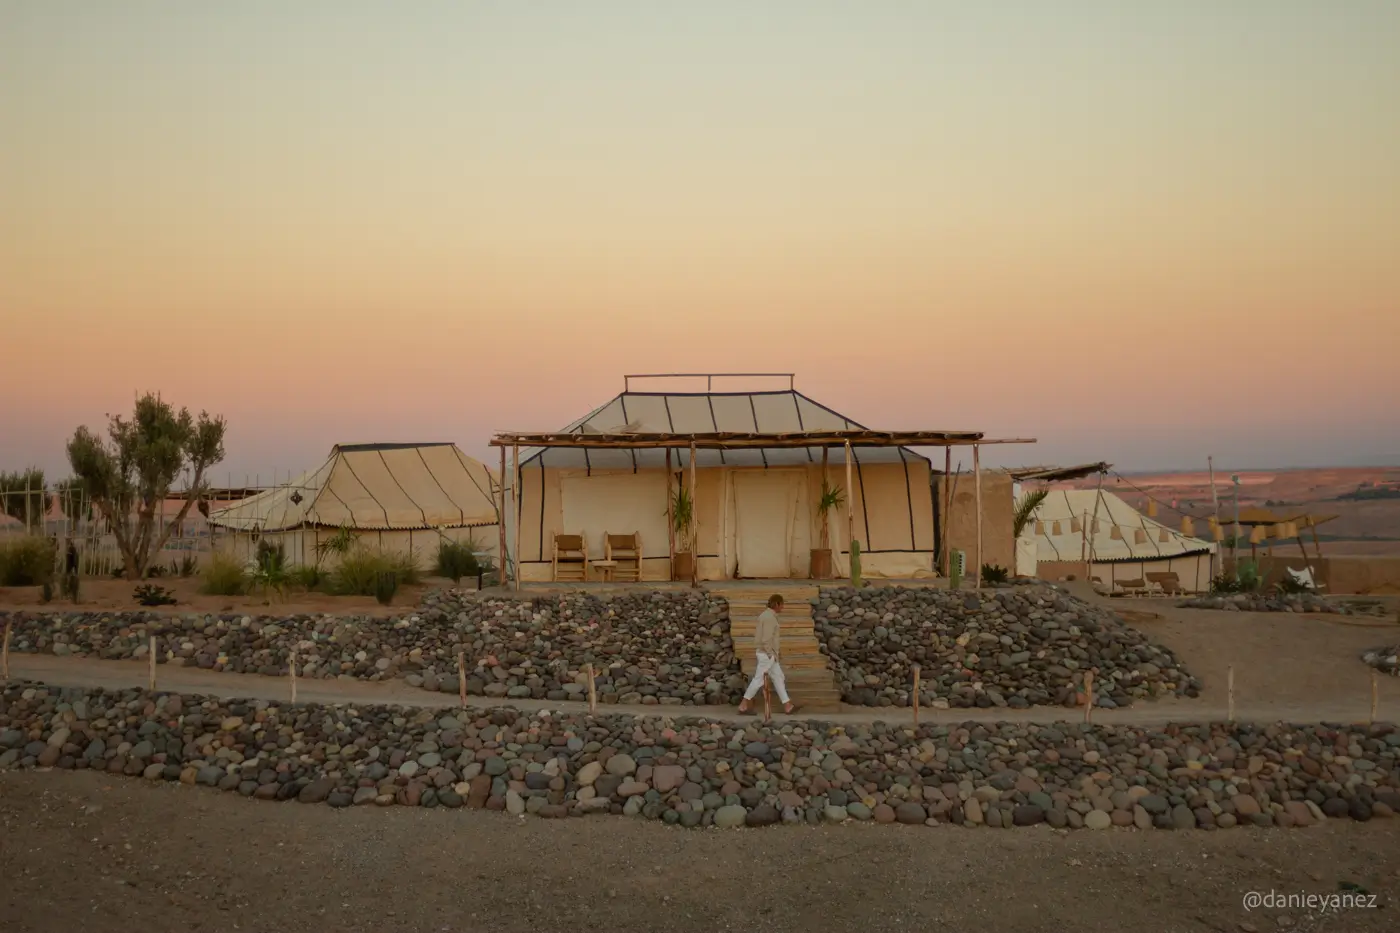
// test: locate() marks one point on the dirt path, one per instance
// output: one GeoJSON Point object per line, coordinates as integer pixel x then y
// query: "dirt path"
{"type": "Point", "coordinates": [84, 672]}
{"type": "Point", "coordinates": [82, 852]}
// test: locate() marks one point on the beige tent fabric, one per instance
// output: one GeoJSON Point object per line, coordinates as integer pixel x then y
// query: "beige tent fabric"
{"type": "Point", "coordinates": [1138, 537]}
{"type": "Point", "coordinates": [374, 487]}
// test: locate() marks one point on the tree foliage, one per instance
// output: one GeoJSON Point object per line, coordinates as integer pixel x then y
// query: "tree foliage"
{"type": "Point", "coordinates": [1025, 509]}
{"type": "Point", "coordinates": [128, 475]}
{"type": "Point", "coordinates": [24, 497]}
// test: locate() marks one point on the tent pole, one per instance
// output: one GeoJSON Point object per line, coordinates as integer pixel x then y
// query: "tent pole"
{"type": "Point", "coordinates": [1098, 497]}
{"type": "Point", "coordinates": [947, 554]}
{"type": "Point", "coordinates": [1215, 508]}
{"type": "Point", "coordinates": [694, 524]}
{"type": "Point", "coordinates": [515, 508]}
{"type": "Point", "coordinates": [501, 516]}
{"type": "Point", "coordinates": [825, 516]}
{"type": "Point", "coordinates": [670, 523]}
{"type": "Point", "coordinates": [977, 473]}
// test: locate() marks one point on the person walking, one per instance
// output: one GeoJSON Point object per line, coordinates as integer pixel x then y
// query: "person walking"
{"type": "Point", "coordinates": [767, 651]}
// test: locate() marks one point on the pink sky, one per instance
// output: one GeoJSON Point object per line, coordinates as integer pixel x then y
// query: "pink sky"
{"type": "Point", "coordinates": [1143, 236]}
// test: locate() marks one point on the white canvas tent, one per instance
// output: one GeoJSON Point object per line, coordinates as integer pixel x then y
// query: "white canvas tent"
{"type": "Point", "coordinates": [397, 497]}
{"type": "Point", "coordinates": [1063, 532]}
{"type": "Point", "coordinates": [756, 507]}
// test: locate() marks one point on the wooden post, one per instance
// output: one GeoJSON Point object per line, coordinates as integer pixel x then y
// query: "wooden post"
{"type": "Point", "coordinates": [1097, 496]}
{"type": "Point", "coordinates": [292, 670]}
{"type": "Point", "coordinates": [501, 557]}
{"type": "Point", "coordinates": [1230, 693]}
{"type": "Point", "coordinates": [462, 678]}
{"type": "Point", "coordinates": [1083, 543]}
{"type": "Point", "coordinates": [947, 510]}
{"type": "Point", "coordinates": [5, 657]}
{"type": "Point", "coordinates": [850, 500]}
{"type": "Point", "coordinates": [151, 653]}
{"type": "Point", "coordinates": [515, 509]}
{"type": "Point", "coordinates": [694, 524]}
{"type": "Point", "coordinates": [826, 515]}
{"type": "Point", "coordinates": [977, 471]}
{"type": "Point", "coordinates": [916, 694]}
{"type": "Point", "coordinates": [767, 702]}
{"type": "Point", "coordinates": [1089, 695]}
{"type": "Point", "coordinates": [670, 522]}
{"type": "Point", "coordinates": [592, 692]}
{"type": "Point", "coordinates": [1375, 696]}
{"type": "Point", "coordinates": [1215, 555]}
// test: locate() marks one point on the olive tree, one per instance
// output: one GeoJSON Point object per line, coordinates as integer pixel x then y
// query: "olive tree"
{"type": "Point", "coordinates": [128, 475]}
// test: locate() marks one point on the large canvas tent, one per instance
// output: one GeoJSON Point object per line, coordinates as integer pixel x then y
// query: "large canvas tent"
{"type": "Point", "coordinates": [1073, 527]}
{"type": "Point", "coordinates": [756, 505]}
{"type": "Point", "coordinates": [396, 497]}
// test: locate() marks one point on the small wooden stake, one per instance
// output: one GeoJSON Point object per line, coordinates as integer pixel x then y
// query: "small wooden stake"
{"type": "Point", "coordinates": [592, 692]}
{"type": "Point", "coordinates": [152, 655]}
{"type": "Point", "coordinates": [1088, 695]}
{"type": "Point", "coordinates": [1375, 696]}
{"type": "Point", "coordinates": [916, 694]}
{"type": "Point", "coordinates": [5, 658]}
{"type": "Point", "coordinates": [767, 702]}
{"type": "Point", "coordinates": [462, 678]}
{"type": "Point", "coordinates": [1230, 691]}
{"type": "Point", "coordinates": [292, 670]}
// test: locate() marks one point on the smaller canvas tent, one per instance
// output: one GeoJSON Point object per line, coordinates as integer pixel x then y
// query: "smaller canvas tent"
{"type": "Point", "coordinates": [1064, 536]}
{"type": "Point", "coordinates": [397, 497]}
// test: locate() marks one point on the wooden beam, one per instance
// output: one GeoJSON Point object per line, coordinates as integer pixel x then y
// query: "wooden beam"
{"type": "Point", "coordinates": [739, 441]}
{"type": "Point", "coordinates": [670, 522]}
{"type": "Point", "coordinates": [515, 505]}
{"type": "Point", "coordinates": [850, 504]}
{"type": "Point", "coordinates": [947, 510]}
{"type": "Point", "coordinates": [694, 525]}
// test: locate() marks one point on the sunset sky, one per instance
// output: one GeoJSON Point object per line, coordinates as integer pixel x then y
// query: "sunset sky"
{"type": "Point", "coordinates": [1141, 232]}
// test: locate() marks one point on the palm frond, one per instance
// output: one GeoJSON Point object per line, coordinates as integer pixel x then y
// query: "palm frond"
{"type": "Point", "coordinates": [1026, 508]}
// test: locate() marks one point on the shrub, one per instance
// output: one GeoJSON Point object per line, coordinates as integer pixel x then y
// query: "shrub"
{"type": "Point", "coordinates": [357, 573]}
{"type": "Point", "coordinates": [994, 573]}
{"type": "Point", "coordinates": [457, 559]}
{"type": "Point", "coordinates": [386, 584]}
{"type": "Point", "coordinates": [26, 561]}
{"type": "Point", "coordinates": [148, 594]}
{"type": "Point", "coordinates": [224, 577]}
{"type": "Point", "coordinates": [189, 566]}
{"type": "Point", "coordinates": [306, 576]}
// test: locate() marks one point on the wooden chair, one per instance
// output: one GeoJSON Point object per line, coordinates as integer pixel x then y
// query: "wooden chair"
{"type": "Point", "coordinates": [1168, 582]}
{"type": "Point", "coordinates": [625, 553]}
{"type": "Point", "coordinates": [570, 559]}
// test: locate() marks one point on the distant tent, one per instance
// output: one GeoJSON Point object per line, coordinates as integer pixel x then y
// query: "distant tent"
{"type": "Point", "coordinates": [402, 497]}
{"type": "Point", "coordinates": [1123, 542]}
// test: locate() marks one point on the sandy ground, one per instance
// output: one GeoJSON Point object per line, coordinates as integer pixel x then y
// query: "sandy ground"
{"type": "Point", "coordinates": [82, 852]}
{"type": "Point", "coordinates": [97, 594]}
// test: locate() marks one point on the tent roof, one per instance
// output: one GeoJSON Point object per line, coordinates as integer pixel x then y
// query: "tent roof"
{"type": "Point", "coordinates": [1051, 474]}
{"type": "Point", "coordinates": [1065, 505]}
{"type": "Point", "coordinates": [770, 428]}
{"type": "Point", "coordinates": [374, 486]}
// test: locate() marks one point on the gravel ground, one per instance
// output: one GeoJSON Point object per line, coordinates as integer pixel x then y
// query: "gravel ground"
{"type": "Point", "coordinates": [81, 851]}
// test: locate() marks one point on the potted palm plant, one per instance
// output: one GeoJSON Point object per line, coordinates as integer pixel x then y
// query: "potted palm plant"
{"type": "Point", "coordinates": [683, 521]}
{"type": "Point", "coordinates": [821, 556]}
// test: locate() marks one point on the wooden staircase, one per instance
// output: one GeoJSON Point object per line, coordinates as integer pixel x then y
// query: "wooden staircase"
{"type": "Point", "coordinates": [810, 683]}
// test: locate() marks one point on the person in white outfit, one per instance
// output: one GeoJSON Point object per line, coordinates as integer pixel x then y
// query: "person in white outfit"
{"type": "Point", "coordinates": [767, 649]}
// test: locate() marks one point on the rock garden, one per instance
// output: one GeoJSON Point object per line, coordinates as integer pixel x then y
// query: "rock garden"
{"type": "Point", "coordinates": [1280, 602]}
{"type": "Point", "coordinates": [1014, 647]}
{"type": "Point", "coordinates": [696, 772]}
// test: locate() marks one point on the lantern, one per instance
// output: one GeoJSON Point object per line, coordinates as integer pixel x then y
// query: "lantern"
{"type": "Point", "coordinates": [1055, 528]}
{"type": "Point", "coordinates": [1140, 536]}
{"type": "Point", "coordinates": [1217, 533]}
{"type": "Point", "coordinates": [1095, 529]}
{"type": "Point", "coordinates": [1040, 528]}
{"type": "Point", "coordinates": [1256, 534]}
{"type": "Point", "coordinates": [1115, 533]}
{"type": "Point", "coordinates": [1188, 528]}
{"type": "Point", "coordinates": [1151, 508]}
{"type": "Point", "coordinates": [1163, 535]}
{"type": "Point", "coordinates": [1075, 526]}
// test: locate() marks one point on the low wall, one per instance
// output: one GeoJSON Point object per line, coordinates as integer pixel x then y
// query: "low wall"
{"type": "Point", "coordinates": [1343, 575]}
{"type": "Point", "coordinates": [698, 772]}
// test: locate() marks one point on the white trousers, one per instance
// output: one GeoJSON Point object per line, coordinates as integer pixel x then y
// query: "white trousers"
{"type": "Point", "coordinates": [766, 664]}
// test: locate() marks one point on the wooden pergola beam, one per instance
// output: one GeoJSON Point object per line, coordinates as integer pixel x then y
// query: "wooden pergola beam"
{"type": "Point", "coordinates": [738, 441]}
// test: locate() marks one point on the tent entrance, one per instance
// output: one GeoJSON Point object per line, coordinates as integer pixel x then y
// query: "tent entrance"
{"type": "Point", "coordinates": [766, 504]}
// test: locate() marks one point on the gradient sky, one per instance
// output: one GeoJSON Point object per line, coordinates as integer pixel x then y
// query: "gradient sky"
{"type": "Point", "coordinates": [1139, 232]}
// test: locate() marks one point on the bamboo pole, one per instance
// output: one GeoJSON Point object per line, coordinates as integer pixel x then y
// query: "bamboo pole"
{"type": "Point", "coordinates": [151, 654]}
{"type": "Point", "coordinates": [1089, 695]}
{"type": "Point", "coordinates": [462, 678]}
{"type": "Point", "coordinates": [292, 671]}
{"type": "Point", "coordinates": [1098, 495]}
{"type": "Point", "coordinates": [977, 471]}
{"type": "Point", "coordinates": [1083, 542]}
{"type": "Point", "coordinates": [592, 692]}
{"type": "Point", "coordinates": [670, 521]}
{"type": "Point", "coordinates": [501, 558]}
{"type": "Point", "coordinates": [5, 657]}
{"type": "Point", "coordinates": [516, 509]}
{"type": "Point", "coordinates": [947, 510]}
{"type": "Point", "coordinates": [916, 694]}
{"type": "Point", "coordinates": [694, 524]}
{"type": "Point", "coordinates": [1230, 693]}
